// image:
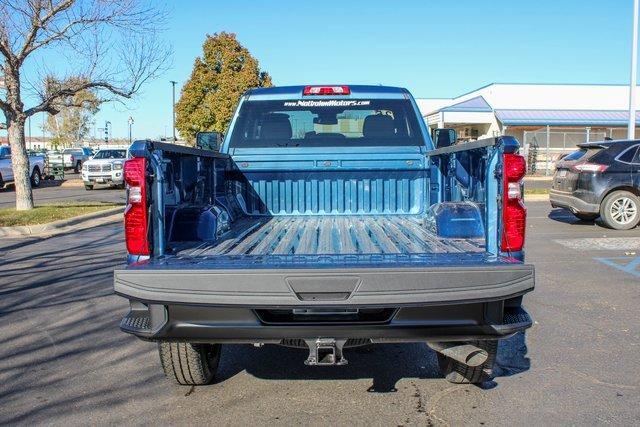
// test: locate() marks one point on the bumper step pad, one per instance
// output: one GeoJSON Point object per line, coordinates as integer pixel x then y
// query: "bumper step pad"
{"type": "Point", "coordinates": [137, 322]}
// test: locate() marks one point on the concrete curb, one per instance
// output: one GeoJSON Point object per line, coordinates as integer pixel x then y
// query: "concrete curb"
{"type": "Point", "coordinates": [65, 225]}
{"type": "Point", "coordinates": [538, 178]}
{"type": "Point", "coordinates": [75, 183]}
{"type": "Point", "coordinates": [535, 197]}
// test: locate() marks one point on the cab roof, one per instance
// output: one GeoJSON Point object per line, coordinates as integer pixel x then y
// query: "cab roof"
{"type": "Point", "coordinates": [357, 92]}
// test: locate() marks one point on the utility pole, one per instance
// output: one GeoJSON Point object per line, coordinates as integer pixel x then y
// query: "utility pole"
{"type": "Point", "coordinates": [130, 121]}
{"type": "Point", "coordinates": [631, 129]}
{"type": "Point", "coordinates": [106, 131]}
{"type": "Point", "coordinates": [173, 109]}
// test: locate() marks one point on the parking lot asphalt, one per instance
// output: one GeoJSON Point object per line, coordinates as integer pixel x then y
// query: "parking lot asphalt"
{"type": "Point", "coordinates": [63, 359]}
{"type": "Point", "coordinates": [58, 194]}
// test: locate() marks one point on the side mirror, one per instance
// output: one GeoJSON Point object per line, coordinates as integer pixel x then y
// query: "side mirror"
{"type": "Point", "coordinates": [209, 140]}
{"type": "Point", "coordinates": [444, 137]}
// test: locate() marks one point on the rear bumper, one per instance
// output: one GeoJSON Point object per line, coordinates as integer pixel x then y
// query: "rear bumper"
{"type": "Point", "coordinates": [562, 199]}
{"type": "Point", "coordinates": [412, 304]}
{"type": "Point", "coordinates": [205, 324]}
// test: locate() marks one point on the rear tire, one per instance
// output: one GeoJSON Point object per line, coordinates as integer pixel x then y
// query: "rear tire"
{"type": "Point", "coordinates": [459, 373]}
{"type": "Point", "coordinates": [36, 178]}
{"type": "Point", "coordinates": [586, 216]}
{"type": "Point", "coordinates": [78, 167]}
{"type": "Point", "coordinates": [620, 210]}
{"type": "Point", "coordinates": [88, 187]}
{"type": "Point", "coordinates": [189, 364]}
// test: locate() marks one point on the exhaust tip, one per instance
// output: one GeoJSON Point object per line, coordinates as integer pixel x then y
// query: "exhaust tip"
{"type": "Point", "coordinates": [476, 357]}
{"type": "Point", "coordinates": [467, 354]}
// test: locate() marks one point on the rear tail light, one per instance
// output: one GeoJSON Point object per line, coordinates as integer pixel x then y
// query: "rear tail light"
{"type": "Point", "coordinates": [326, 90]}
{"type": "Point", "coordinates": [589, 167]}
{"type": "Point", "coordinates": [72, 158]}
{"type": "Point", "coordinates": [136, 225]}
{"type": "Point", "coordinates": [514, 214]}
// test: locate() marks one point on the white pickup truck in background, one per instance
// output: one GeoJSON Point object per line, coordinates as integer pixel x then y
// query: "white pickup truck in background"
{"type": "Point", "coordinates": [71, 158]}
{"type": "Point", "coordinates": [36, 166]}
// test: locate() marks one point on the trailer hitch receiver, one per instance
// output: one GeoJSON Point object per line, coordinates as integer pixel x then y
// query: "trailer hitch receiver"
{"type": "Point", "coordinates": [325, 352]}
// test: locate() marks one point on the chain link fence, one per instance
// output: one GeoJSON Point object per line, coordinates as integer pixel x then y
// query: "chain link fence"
{"type": "Point", "coordinates": [543, 148]}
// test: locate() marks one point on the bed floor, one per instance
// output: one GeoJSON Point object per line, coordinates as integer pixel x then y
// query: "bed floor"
{"type": "Point", "coordinates": [309, 235]}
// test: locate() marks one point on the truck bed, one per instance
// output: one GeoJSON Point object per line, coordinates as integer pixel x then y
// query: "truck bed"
{"type": "Point", "coordinates": [337, 235]}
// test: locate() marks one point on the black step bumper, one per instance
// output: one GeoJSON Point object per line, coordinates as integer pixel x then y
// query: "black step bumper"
{"type": "Point", "coordinates": [409, 324]}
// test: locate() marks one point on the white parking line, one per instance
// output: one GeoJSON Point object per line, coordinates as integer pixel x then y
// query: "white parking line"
{"type": "Point", "coordinates": [602, 243]}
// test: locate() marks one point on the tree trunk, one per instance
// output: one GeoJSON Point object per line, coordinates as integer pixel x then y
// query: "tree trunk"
{"type": "Point", "coordinates": [20, 163]}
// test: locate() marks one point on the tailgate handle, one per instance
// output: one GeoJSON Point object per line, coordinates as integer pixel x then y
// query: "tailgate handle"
{"type": "Point", "coordinates": [323, 288]}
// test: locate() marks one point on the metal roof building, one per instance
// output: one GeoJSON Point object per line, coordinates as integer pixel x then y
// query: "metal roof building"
{"type": "Point", "coordinates": [548, 118]}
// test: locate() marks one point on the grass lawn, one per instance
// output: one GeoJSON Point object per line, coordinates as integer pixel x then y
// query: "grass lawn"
{"type": "Point", "coordinates": [48, 213]}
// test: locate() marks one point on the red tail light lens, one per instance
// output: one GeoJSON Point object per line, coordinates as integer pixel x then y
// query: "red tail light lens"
{"type": "Point", "coordinates": [326, 90]}
{"type": "Point", "coordinates": [135, 215]}
{"type": "Point", "coordinates": [72, 158]}
{"type": "Point", "coordinates": [514, 213]}
{"type": "Point", "coordinates": [589, 167]}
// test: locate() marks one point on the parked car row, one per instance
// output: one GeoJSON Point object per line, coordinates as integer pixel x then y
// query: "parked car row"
{"type": "Point", "coordinates": [102, 167]}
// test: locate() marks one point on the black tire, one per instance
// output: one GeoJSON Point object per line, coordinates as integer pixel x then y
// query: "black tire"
{"type": "Point", "coordinates": [189, 364]}
{"type": "Point", "coordinates": [459, 373]}
{"type": "Point", "coordinates": [586, 216]}
{"type": "Point", "coordinates": [78, 167]}
{"type": "Point", "coordinates": [619, 219]}
{"type": "Point", "coordinates": [88, 187]}
{"type": "Point", "coordinates": [36, 178]}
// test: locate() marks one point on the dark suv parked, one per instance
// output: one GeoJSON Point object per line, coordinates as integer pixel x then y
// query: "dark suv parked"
{"type": "Point", "coordinates": [600, 179]}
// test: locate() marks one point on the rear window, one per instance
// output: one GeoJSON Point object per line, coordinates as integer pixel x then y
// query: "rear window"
{"type": "Point", "coordinates": [326, 123]}
{"type": "Point", "coordinates": [576, 155]}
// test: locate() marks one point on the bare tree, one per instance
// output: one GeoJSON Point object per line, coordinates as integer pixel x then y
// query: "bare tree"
{"type": "Point", "coordinates": [110, 47]}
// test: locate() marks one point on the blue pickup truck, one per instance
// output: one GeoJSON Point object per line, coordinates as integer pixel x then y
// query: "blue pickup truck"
{"type": "Point", "coordinates": [327, 219]}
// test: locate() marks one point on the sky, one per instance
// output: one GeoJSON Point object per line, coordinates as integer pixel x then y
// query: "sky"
{"type": "Point", "coordinates": [434, 48]}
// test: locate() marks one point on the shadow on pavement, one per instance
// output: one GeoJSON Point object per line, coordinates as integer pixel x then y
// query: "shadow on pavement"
{"type": "Point", "coordinates": [566, 217]}
{"type": "Point", "coordinates": [385, 364]}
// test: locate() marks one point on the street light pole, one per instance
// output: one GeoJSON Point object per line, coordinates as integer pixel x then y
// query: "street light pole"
{"type": "Point", "coordinates": [130, 121]}
{"type": "Point", "coordinates": [173, 109]}
{"type": "Point", "coordinates": [106, 131]}
{"type": "Point", "coordinates": [631, 129]}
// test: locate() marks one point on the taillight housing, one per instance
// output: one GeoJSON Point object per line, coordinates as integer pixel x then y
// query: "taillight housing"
{"type": "Point", "coordinates": [326, 90]}
{"type": "Point", "coordinates": [589, 167]}
{"type": "Point", "coordinates": [514, 213]}
{"type": "Point", "coordinates": [136, 224]}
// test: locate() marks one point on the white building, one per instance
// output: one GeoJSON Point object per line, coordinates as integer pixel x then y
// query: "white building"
{"type": "Point", "coordinates": [553, 118]}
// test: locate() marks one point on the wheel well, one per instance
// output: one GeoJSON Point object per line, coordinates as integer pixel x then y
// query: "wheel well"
{"type": "Point", "coordinates": [36, 168]}
{"type": "Point", "coordinates": [628, 188]}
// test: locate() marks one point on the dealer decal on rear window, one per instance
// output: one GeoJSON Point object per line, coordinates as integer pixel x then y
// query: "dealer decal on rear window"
{"type": "Point", "coordinates": [327, 103]}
